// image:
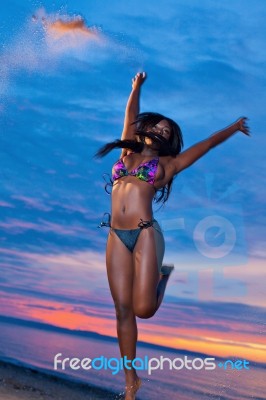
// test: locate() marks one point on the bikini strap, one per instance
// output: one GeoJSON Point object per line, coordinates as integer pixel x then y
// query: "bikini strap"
{"type": "Point", "coordinates": [108, 183]}
{"type": "Point", "coordinates": [105, 223]}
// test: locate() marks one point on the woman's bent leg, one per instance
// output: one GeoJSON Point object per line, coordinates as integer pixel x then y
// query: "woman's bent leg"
{"type": "Point", "coordinates": [120, 276]}
{"type": "Point", "coordinates": [149, 283]}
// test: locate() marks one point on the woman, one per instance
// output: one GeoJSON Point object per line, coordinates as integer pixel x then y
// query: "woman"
{"type": "Point", "coordinates": [151, 156]}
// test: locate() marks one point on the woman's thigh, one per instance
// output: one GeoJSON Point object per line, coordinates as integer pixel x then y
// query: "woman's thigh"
{"type": "Point", "coordinates": [120, 272]}
{"type": "Point", "coordinates": [148, 256]}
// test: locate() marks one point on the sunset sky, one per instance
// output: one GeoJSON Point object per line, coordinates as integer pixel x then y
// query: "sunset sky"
{"type": "Point", "coordinates": [65, 75]}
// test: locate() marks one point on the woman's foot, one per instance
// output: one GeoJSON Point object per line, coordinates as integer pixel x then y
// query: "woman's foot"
{"type": "Point", "coordinates": [131, 389]}
{"type": "Point", "coordinates": [167, 269]}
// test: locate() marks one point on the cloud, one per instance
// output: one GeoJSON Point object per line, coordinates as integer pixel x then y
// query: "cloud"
{"type": "Point", "coordinates": [6, 204]}
{"type": "Point", "coordinates": [19, 226]}
{"type": "Point", "coordinates": [53, 287]}
{"type": "Point", "coordinates": [42, 41]}
{"type": "Point", "coordinates": [32, 203]}
{"type": "Point", "coordinates": [60, 28]}
{"type": "Point", "coordinates": [65, 33]}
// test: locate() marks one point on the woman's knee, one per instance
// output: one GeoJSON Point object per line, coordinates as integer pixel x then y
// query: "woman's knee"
{"type": "Point", "coordinates": [123, 311]}
{"type": "Point", "coordinates": [145, 310]}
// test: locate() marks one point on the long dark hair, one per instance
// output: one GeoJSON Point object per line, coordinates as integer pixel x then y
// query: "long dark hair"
{"type": "Point", "coordinates": [143, 124]}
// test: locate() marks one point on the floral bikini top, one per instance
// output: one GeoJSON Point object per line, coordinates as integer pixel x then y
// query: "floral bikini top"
{"type": "Point", "coordinates": [146, 171]}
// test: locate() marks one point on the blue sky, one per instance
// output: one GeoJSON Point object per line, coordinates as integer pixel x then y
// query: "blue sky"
{"type": "Point", "coordinates": [63, 94]}
{"type": "Point", "coordinates": [205, 69]}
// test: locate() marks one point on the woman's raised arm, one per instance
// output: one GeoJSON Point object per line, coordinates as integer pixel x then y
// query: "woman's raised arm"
{"type": "Point", "coordinates": [189, 156]}
{"type": "Point", "coordinates": [132, 108]}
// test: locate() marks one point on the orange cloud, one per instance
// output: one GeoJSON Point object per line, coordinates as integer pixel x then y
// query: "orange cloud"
{"type": "Point", "coordinates": [68, 34]}
{"type": "Point", "coordinates": [215, 343]}
{"type": "Point", "coordinates": [62, 28]}
{"type": "Point", "coordinates": [254, 353]}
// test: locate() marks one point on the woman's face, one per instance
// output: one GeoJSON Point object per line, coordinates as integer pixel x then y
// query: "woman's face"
{"type": "Point", "coordinates": [163, 128]}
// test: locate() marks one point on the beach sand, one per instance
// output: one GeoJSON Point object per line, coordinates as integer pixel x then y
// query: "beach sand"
{"type": "Point", "coordinates": [20, 383]}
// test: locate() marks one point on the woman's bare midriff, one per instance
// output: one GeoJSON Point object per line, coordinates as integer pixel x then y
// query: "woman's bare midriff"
{"type": "Point", "coordinates": [131, 201]}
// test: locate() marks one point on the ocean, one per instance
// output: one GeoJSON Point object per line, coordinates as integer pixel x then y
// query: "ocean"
{"type": "Point", "coordinates": [35, 345]}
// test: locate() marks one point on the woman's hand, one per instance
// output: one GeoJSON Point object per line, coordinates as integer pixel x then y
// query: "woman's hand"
{"type": "Point", "coordinates": [138, 80]}
{"type": "Point", "coordinates": [242, 125]}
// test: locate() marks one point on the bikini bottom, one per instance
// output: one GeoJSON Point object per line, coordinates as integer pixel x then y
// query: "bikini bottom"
{"type": "Point", "coordinates": [130, 236]}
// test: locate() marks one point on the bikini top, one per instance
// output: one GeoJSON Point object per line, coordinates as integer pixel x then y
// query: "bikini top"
{"type": "Point", "coordinates": [146, 171]}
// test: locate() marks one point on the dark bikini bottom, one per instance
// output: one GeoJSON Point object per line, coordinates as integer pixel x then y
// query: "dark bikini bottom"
{"type": "Point", "coordinates": [130, 236]}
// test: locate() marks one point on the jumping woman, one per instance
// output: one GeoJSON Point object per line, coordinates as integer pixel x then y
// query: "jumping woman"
{"type": "Point", "coordinates": [151, 156]}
